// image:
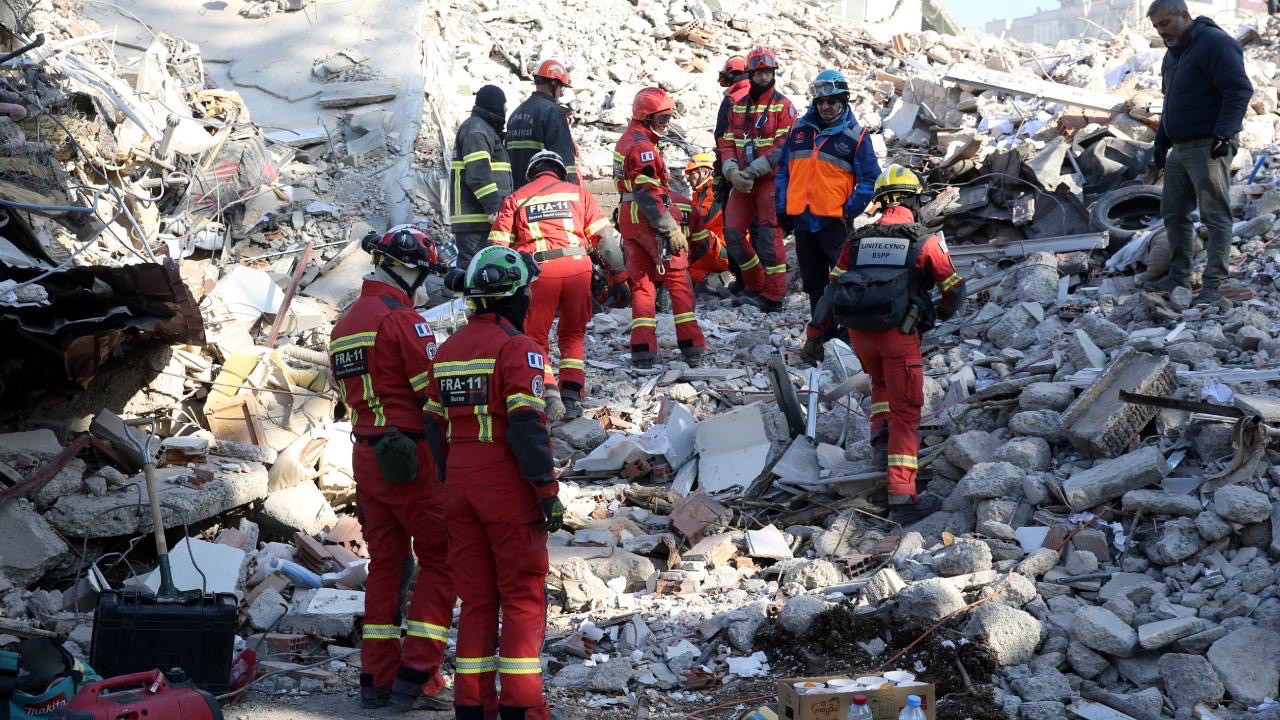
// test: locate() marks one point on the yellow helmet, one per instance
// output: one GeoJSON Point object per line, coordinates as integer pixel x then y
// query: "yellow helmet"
{"type": "Point", "coordinates": [700, 160]}
{"type": "Point", "coordinates": [895, 180]}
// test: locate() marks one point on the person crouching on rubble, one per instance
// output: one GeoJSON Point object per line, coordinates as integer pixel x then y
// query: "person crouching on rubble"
{"type": "Point", "coordinates": [880, 293]}
{"type": "Point", "coordinates": [490, 438]}
{"type": "Point", "coordinates": [381, 354]}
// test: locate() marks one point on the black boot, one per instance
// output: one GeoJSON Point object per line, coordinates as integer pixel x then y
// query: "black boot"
{"type": "Point", "coordinates": [373, 698]}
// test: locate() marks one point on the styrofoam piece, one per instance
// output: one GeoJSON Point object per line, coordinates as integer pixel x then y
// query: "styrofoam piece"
{"type": "Point", "coordinates": [768, 542]}
{"type": "Point", "coordinates": [219, 563]}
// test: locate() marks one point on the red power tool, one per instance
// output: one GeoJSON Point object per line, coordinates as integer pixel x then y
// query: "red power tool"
{"type": "Point", "coordinates": [151, 694]}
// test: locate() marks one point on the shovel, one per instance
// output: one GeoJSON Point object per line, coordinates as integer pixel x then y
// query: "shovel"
{"type": "Point", "coordinates": [167, 588]}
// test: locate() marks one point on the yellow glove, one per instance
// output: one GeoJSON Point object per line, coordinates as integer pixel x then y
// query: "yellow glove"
{"type": "Point", "coordinates": [679, 243]}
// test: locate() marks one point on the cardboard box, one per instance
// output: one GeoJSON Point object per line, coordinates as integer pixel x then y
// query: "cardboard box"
{"type": "Point", "coordinates": [885, 703]}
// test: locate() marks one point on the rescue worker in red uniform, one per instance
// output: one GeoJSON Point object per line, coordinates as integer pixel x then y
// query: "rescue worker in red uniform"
{"type": "Point", "coordinates": [824, 180]}
{"type": "Point", "coordinates": [539, 123]}
{"type": "Point", "coordinates": [749, 150]}
{"type": "Point", "coordinates": [707, 253]}
{"type": "Point", "coordinates": [559, 224]}
{"type": "Point", "coordinates": [880, 292]}
{"type": "Point", "coordinates": [381, 354]}
{"type": "Point", "coordinates": [655, 247]}
{"type": "Point", "coordinates": [490, 436]}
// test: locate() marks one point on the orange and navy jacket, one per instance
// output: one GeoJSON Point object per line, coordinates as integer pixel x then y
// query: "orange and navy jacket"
{"type": "Point", "coordinates": [760, 122]}
{"type": "Point", "coordinates": [933, 264]}
{"type": "Point", "coordinates": [546, 214]}
{"type": "Point", "coordinates": [640, 175]}
{"type": "Point", "coordinates": [825, 174]}
{"type": "Point", "coordinates": [709, 212]}
{"type": "Point", "coordinates": [380, 353]}
{"type": "Point", "coordinates": [486, 397]}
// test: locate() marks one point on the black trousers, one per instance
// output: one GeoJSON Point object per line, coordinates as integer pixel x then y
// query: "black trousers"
{"type": "Point", "coordinates": [816, 253]}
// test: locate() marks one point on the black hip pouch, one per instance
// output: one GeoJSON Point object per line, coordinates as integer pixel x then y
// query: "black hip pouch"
{"type": "Point", "coordinates": [397, 455]}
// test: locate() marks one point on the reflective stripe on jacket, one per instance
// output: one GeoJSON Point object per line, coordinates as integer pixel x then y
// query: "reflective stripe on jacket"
{"type": "Point", "coordinates": [546, 214]}
{"type": "Point", "coordinates": [480, 175]}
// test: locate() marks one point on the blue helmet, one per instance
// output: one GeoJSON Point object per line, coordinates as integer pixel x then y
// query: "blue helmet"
{"type": "Point", "coordinates": [829, 82]}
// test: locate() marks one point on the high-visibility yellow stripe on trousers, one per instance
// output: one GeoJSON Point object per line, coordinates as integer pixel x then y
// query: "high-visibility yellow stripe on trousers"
{"type": "Point", "coordinates": [428, 630]}
{"type": "Point", "coordinates": [519, 665]}
{"type": "Point", "coordinates": [475, 665]}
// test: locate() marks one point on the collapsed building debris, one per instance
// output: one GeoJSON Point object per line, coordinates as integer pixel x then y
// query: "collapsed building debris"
{"type": "Point", "coordinates": [1097, 550]}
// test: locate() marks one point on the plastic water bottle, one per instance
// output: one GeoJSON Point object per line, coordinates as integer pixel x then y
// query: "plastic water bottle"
{"type": "Point", "coordinates": [912, 711]}
{"type": "Point", "coordinates": [859, 710]}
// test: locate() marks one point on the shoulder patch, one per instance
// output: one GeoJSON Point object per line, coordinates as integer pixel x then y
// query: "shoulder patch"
{"type": "Point", "coordinates": [646, 156]}
{"type": "Point", "coordinates": [538, 386]}
{"type": "Point", "coordinates": [432, 349]}
{"type": "Point", "coordinates": [422, 329]}
{"type": "Point", "coordinates": [535, 360]}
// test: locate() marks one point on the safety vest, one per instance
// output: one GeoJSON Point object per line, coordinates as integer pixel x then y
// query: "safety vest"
{"type": "Point", "coordinates": [884, 281]}
{"type": "Point", "coordinates": [820, 170]}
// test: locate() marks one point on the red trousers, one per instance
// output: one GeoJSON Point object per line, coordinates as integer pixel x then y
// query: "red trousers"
{"type": "Point", "coordinates": [762, 260]}
{"type": "Point", "coordinates": [644, 279]}
{"type": "Point", "coordinates": [391, 516]}
{"type": "Point", "coordinates": [565, 286]}
{"type": "Point", "coordinates": [498, 549]}
{"type": "Point", "coordinates": [892, 359]}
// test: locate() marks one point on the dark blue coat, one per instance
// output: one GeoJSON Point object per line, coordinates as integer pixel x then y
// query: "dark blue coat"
{"type": "Point", "coordinates": [1206, 90]}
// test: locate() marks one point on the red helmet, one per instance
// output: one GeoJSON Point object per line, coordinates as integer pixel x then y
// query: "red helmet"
{"type": "Point", "coordinates": [410, 245]}
{"type": "Point", "coordinates": [553, 70]}
{"type": "Point", "coordinates": [761, 59]}
{"type": "Point", "coordinates": [733, 67]}
{"type": "Point", "coordinates": [651, 101]}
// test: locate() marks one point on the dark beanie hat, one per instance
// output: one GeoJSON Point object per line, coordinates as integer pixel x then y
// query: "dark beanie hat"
{"type": "Point", "coordinates": [491, 98]}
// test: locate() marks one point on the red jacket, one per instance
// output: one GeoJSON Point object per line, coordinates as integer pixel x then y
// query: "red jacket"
{"type": "Point", "coordinates": [640, 174]}
{"type": "Point", "coordinates": [546, 214]}
{"type": "Point", "coordinates": [486, 398]}
{"type": "Point", "coordinates": [761, 123]}
{"type": "Point", "coordinates": [380, 353]}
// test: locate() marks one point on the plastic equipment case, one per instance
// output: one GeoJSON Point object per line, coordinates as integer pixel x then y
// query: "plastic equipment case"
{"type": "Point", "coordinates": [135, 633]}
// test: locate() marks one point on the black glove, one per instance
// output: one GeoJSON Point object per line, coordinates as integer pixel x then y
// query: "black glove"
{"type": "Point", "coordinates": [1158, 157]}
{"type": "Point", "coordinates": [554, 511]}
{"type": "Point", "coordinates": [787, 223]}
{"type": "Point", "coordinates": [814, 351]}
{"type": "Point", "coordinates": [1221, 147]}
{"type": "Point", "coordinates": [620, 295]}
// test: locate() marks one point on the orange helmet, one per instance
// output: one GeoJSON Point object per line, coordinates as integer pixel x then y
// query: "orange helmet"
{"type": "Point", "coordinates": [700, 160]}
{"type": "Point", "coordinates": [733, 67]}
{"type": "Point", "coordinates": [553, 70]}
{"type": "Point", "coordinates": [761, 59]}
{"type": "Point", "coordinates": [651, 101]}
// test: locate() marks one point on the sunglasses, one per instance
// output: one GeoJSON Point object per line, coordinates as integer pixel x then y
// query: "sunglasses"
{"type": "Point", "coordinates": [662, 119]}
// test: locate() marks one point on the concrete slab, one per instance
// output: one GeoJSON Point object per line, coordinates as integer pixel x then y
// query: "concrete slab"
{"type": "Point", "coordinates": [88, 516]}
{"type": "Point", "coordinates": [41, 442]}
{"type": "Point", "coordinates": [732, 449]}
{"type": "Point", "coordinates": [769, 543]}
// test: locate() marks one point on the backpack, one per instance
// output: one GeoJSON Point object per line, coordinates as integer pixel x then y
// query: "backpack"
{"type": "Point", "coordinates": [39, 679]}
{"type": "Point", "coordinates": [877, 292]}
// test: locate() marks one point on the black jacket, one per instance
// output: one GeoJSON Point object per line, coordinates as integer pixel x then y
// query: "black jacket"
{"type": "Point", "coordinates": [537, 124]}
{"type": "Point", "coordinates": [1206, 90]}
{"type": "Point", "coordinates": [481, 173]}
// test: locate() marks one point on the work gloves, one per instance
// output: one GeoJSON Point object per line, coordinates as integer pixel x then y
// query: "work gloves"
{"type": "Point", "coordinates": [679, 243]}
{"type": "Point", "coordinates": [740, 181]}
{"type": "Point", "coordinates": [759, 168]}
{"type": "Point", "coordinates": [814, 351]}
{"type": "Point", "coordinates": [1221, 148]}
{"type": "Point", "coordinates": [553, 509]}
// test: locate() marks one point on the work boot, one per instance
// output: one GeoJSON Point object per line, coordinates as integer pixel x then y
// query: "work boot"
{"type": "Point", "coordinates": [1165, 284]}
{"type": "Point", "coordinates": [441, 700]}
{"type": "Point", "coordinates": [1208, 295]}
{"type": "Point", "coordinates": [693, 356]}
{"type": "Point", "coordinates": [572, 409]}
{"type": "Point", "coordinates": [762, 302]}
{"type": "Point", "coordinates": [644, 362]}
{"type": "Point", "coordinates": [374, 698]}
{"type": "Point", "coordinates": [905, 512]}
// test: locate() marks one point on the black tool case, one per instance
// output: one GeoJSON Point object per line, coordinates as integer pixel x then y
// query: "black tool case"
{"type": "Point", "coordinates": [133, 633]}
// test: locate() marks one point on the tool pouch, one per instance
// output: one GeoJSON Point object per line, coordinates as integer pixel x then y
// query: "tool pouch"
{"type": "Point", "coordinates": [397, 455]}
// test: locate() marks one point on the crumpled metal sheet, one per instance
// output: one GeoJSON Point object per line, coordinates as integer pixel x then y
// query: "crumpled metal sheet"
{"type": "Point", "coordinates": [92, 310]}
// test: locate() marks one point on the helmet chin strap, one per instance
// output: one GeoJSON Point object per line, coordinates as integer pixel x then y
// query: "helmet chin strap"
{"type": "Point", "coordinates": [393, 273]}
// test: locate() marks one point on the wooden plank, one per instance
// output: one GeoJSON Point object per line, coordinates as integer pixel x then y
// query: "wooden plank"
{"type": "Point", "coordinates": [360, 92]}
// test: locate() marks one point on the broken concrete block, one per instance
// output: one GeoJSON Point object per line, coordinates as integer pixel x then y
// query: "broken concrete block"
{"type": "Point", "coordinates": [1189, 679]}
{"type": "Point", "coordinates": [798, 613]}
{"type": "Point", "coordinates": [1104, 333]}
{"type": "Point", "coordinates": [970, 448]}
{"type": "Point", "coordinates": [301, 508]}
{"type": "Point", "coordinates": [883, 585]}
{"type": "Point", "coordinates": [1240, 504]}
{"type": "Point", "coordinates": [1098, 423]}
{"type": "Point", "coordinates": [29, 546]}
{"type": "Point", "coordinates": [928, 601]}
{"type": "Point", "coordinates": [584, 433]}
{"type": "Point", "coordinates": [360, 92]}
{"type": "Point", "coordinates": [1015, 328]}
{"type": "Point", "coordinates": [1099, 629]}
{"type": "Point", "coordinates": [1037, 279]}
{"type": "Point", "coordinates": [1111, 479]}
{"type": "Point", "coordinates": [40, 442]}
{"type": "Point", "coordinates": [267, 609]}
{"type": "Point", "coordinates": [1046, 396]}
{"type": "Point", "coordinates": [1044, 424]}
{"type": "Point", "coordinates": [991, 480]}
{"type": "Point", "coordinates": [1160, 502]}
{"type": "Point", "coordinates": [962, 557]}
{"type": "Point", "coordinates": [1028, 453]}
{"type": "Point", "coordinates": [812, 574]}
{"type": "Point", "coordinates": [327, 612]}
{"type": "Point", "coordinates": [1155, 635]}
{"type": "Point", "coordinates": [1178, 541]}
{"type": "Point", "coordinates": [1084, 353]}
{"type": "Point", "coordinates": [1237, 658]}
{"type": "Point", "coordinates": [90, 516]}
{"type": "Point", "coordinates": [1012, 634]}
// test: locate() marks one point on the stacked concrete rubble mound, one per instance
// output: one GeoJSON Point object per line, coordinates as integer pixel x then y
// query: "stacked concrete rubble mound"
{"type": "Point", "coordinates": [1091, 550]}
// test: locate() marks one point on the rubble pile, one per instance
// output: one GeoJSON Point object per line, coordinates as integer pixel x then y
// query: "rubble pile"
{"type": "Point", "coordinates": [1108, 531]}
